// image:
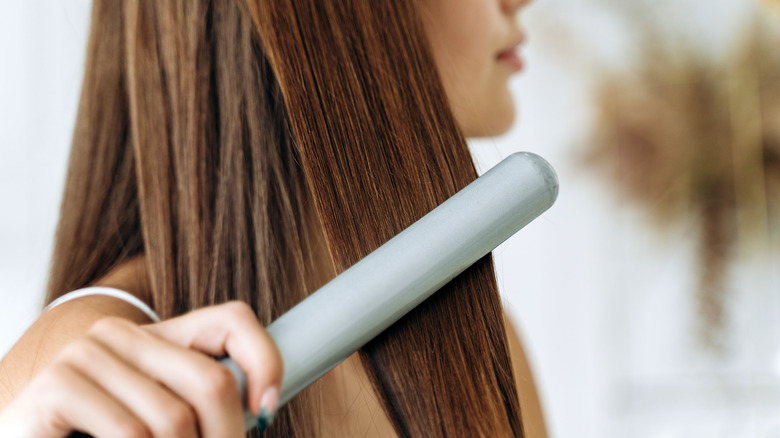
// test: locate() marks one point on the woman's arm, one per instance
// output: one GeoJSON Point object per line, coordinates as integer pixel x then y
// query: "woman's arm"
{"type": "Point", "coordinates": [94, 365]}
{"type": "Point", "coordinates": [41, 343]}
{"type": "Point", "coordinates": [55, 328]}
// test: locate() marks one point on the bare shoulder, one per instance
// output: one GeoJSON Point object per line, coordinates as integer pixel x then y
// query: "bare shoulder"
{"type": "Point", "coordinates": [131, 276]}
{"type": "Point", "coordinates": [353, 409]}
{"type": "Point", "coordinates": [530, 404]}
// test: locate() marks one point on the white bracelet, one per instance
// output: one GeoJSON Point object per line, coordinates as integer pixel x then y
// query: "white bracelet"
{"type": "Point", "coordinates": [107, 291]}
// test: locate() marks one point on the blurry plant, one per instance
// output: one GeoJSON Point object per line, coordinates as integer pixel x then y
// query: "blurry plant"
{"type": "Point", "coordinates": [689, 135]}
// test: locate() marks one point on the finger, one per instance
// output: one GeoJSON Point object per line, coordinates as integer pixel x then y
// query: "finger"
{"type": "Point", "coordinates": [194, 377]}
{"type": "Point", "coordinates": [232, 329]}
{"type": "Point", "coordinates": [163, 413]}
{"type": "Point", "coordinates": [62, 400]}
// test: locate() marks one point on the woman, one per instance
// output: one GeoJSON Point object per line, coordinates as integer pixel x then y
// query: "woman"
{"type": "Point", "coordinates": [231, 151]}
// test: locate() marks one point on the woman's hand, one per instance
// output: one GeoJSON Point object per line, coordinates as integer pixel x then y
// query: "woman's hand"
{"type": "Point", "coordinates": [159, 380]}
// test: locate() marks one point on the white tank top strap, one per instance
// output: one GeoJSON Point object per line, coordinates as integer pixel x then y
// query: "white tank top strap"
{"type": "Point", "coordinates": [107, 291]}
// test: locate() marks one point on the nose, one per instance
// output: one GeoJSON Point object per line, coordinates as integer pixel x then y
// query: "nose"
{"type": "Point", "coordinates": [511, 6]}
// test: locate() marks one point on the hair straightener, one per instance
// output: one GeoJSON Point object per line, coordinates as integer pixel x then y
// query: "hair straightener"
{"type": "Point", "coordinates": [353, 308]}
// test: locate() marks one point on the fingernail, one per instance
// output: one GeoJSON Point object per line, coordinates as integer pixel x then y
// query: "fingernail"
{"type": "Point", "coordinates": [268, 408]}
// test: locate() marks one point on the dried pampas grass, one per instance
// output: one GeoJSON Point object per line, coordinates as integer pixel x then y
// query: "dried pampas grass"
{"type": "Point", "coordinates": [689, 135]}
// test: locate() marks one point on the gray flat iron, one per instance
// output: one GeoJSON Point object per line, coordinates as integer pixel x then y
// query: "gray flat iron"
{"type": "Point", "coordinates": [353, 308]}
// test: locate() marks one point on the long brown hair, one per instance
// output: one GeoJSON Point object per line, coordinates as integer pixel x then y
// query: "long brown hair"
{"type": "Point", "coordinates": [224, 140]}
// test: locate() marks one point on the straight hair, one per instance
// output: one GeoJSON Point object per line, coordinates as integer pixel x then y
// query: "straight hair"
{"type": "Point", "coordinates": [253, 150]}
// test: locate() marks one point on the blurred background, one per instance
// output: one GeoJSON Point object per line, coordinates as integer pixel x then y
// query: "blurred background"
{"type": "Point", "coordinates": [648, 296]}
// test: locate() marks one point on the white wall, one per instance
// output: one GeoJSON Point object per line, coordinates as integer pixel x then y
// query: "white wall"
{"type": "Point", "coordinates": [603, 301]}
{"type": "Point", "coordinates": [41, 47]}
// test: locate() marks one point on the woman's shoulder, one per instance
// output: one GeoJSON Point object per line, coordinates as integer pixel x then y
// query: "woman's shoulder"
{"type": "Point", "coordinates": [130, 276]}
{"type": "Point", "coordinates": [530, 403]}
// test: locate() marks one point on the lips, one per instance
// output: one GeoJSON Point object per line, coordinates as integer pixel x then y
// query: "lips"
{"type": "Point", "coordinates": [511, 55]}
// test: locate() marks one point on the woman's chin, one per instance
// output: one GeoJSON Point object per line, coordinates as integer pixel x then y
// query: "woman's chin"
{"type": "Point", "coordinates": [490, 123]}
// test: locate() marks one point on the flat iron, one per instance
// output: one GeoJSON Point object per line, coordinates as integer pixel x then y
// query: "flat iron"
{"type": "Point", "coordinates": [353, 308]}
